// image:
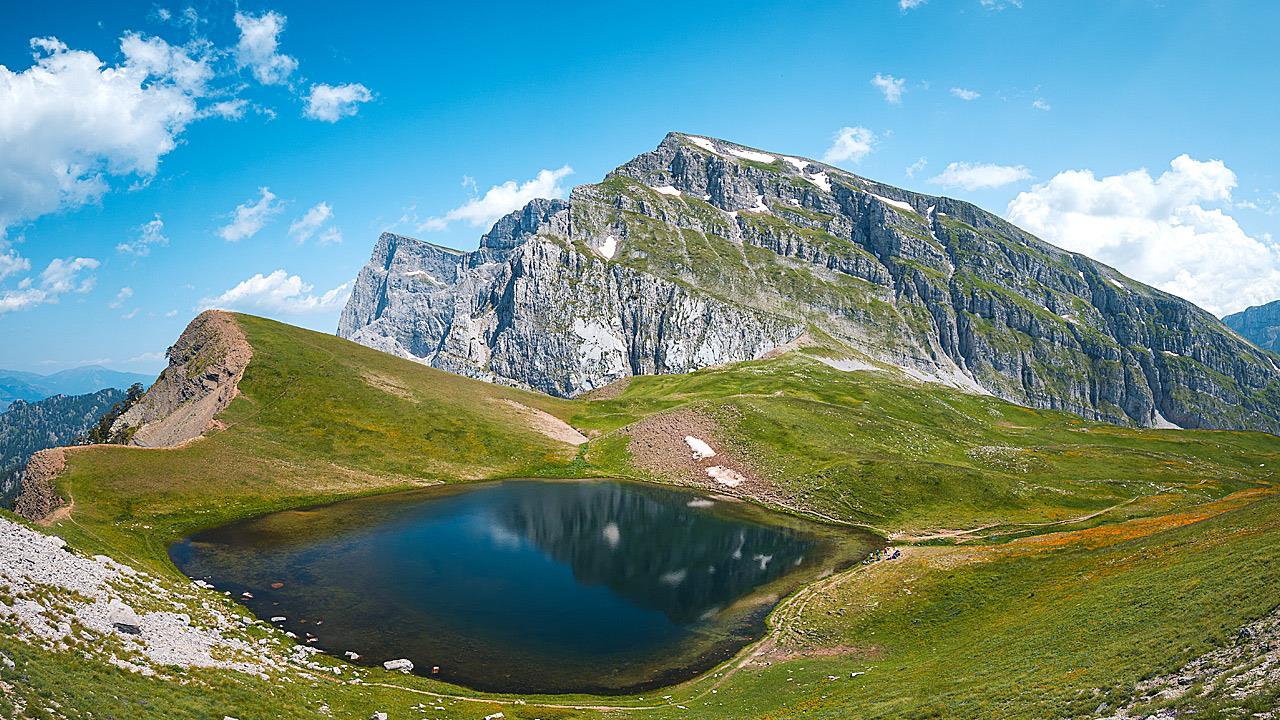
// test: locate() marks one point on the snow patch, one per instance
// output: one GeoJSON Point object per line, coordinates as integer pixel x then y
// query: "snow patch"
{"type": "Point", "coordinates": [759, 207]}
{"type": "Point", "coordinates": [423, 274]}
{"type": "Point", "coordinates": [752, 155]}
{"type": "Point", "coordinates": [896, 203]}
{"type": "Point", "coordinates": [1163, 423]}
{"type": "Point", "coordinates": [699, 447]}
{"type": "Point", "coordinates": [798, 163]}
{"type": "Point", "coordinates": [725, 476]}
{"type": "Point", "coordinates": [821, 180]}
{"type": "Point", "coordinates": [608, 247]}
{"type": "Point", "coordinates": [668, 190]}
{"type": "Point", "coordinates": [704, 143]}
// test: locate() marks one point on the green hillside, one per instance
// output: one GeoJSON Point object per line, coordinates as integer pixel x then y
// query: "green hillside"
{"type": "Point", "coordinates": [1050, 562]}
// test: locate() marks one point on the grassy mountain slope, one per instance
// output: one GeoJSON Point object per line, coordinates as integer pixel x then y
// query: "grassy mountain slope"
{"type": "Point", "coordinates": [1020, 619]}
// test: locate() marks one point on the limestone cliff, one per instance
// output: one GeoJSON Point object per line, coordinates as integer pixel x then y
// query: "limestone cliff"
{"type": "Point", "coordinates": [704, 251]}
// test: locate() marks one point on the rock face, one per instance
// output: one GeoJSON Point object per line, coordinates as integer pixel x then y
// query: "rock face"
{"type": "Point", "coordinates": [704, 252]}
{"type": "Point", "coordinates": [205, 366]}
{"type": "Point", "coordinates": [1259, 325]}
{"type": "Point", "coordinates": [39, 498]}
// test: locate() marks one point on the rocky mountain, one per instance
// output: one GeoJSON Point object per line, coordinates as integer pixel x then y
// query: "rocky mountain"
{"type": "Point", "coordinates": [1259, 324]}
{"type": "Point", "coordinates": [31, 387]}
{"type": "Point", "coordinates": [26, 428]}
{"type": "Point", "coordinates": [705, 251]}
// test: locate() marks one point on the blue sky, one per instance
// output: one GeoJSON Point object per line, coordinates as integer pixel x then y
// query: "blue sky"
{"type": "Point", "coordinates": [1070, 118]}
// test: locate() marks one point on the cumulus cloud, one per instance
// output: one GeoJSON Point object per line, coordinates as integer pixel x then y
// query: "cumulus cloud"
{"type": "Point", "coordinates": [62, 276]}
{"type": "Point", "coordinates": [1041, 104]}
{"type": "Point", "coordinates": [916, 167]}
{"type": "Point", "coordinates": [70, 122]}
{"type": "Point", "coordinates": [150, 234]}
{"type": "Point", "coordinates": [501, 199]}
{"type": "Point", "coordinates": [11, 263]}
{"type": "Point", "coordinates": [891, 87]}
{"type": "Point", "coordinates": [258, 47]}
{"type": "Point", "coordinates": [905, 5]}
{"type": "Point", "coordinates": [979, 176]}
{"type": "Point", "coordinates": [331, 103]}
{"type": "Point", "coordinates": [278, 292]}
{"type": "Point", "coordinates": [249, 217]}
{"type": "Point", "coordinates": [850, 144]}
{"type": "Point", "coordinates": [304, 227]}
{"type": "Point", "coordinates": [965, 93]}
{"type": "Point", "coordinates": [1164, 231]}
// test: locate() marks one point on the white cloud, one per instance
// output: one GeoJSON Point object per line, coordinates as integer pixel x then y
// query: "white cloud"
{"type": "Point", "coordinates": [905, 5]}
{"type": "Point", "coordinates": [258, 45]}
{"type": "Point", "coordinates": [1162, 231]}
{"type": "Point", "coordinates": [278, 292]}
{"type": "Point", "coordinates": [69, 122]}
{"type": "Point", "coordinates": [121, 297]}
{"type": "Point", "coordinates": [979, 176]}
{"type": "Point", "coordinates": [60, 277]}
{"type": "Point", "coordinates": [331, 103]}
{"type": "Point", "coordinates": [501, 199]}
{"type": "Point", "coordinates": [1000, 4]}
{"type": "Point", "coordinates": [965, 94]}
{"type": "Point", "coordinates": [64, 276]}
{"type": "Point", "coordinates": [149, 234]}
{"type": "Point", "coordinates": [11, 263]}
{"type": "Point", "coordinates": [249, 217]}
{"type": "Point", "coordinates": [890, 86]}
{"type": "Point", "coordinates": [1041, 104]}
{"type": "Point", "coordinates": [916, 167]}
{"type": "Point", "coordinates": [850, 144]}
{"type": "Point", "coordinates": [227, 109]}
{"type": "Point", "coordinates": [149, 357]}
{"type": "Point", "coordinates": [304, 227]}
{"type": "Point", "coordinates": [330, 236]}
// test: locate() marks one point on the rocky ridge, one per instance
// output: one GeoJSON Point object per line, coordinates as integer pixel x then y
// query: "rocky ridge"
{"type": "Point", "coordinates": [205, 366]}
{"type": "Point", "coordinates": [704, 252]}
{"type": "Point", "coordinates": [1259, 324]}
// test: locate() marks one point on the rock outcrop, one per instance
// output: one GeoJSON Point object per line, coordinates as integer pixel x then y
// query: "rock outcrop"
{"type": "Point", "coordinates": [205, 367]}
{"type": "Point", "coordinates": [704, 252]}
{"type": "Point", "coordinates": [1259, 325]}
{"type": "Point", "coordinates": [39, 498]}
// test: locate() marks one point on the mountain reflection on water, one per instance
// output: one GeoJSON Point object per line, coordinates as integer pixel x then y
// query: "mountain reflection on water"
{"type": "Point", "coordinates": [682, 561]}
{"type": "Point", "coordinates": [523, 586]}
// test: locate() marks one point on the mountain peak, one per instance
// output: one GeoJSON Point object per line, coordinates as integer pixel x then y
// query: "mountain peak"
{"type": "Point", "coordinates": [704, 251]}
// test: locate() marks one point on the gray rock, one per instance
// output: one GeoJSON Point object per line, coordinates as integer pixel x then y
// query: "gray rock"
{"type": "Point", "coordinates": [1259, 325]}
{"type": "Point", "coordinates": [704, 252]}
{"type": "Point", "coordinates": [401, 665]}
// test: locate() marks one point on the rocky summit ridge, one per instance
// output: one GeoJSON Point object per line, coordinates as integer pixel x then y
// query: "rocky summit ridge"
{"type": "Point", "coordinates": [704, 251]}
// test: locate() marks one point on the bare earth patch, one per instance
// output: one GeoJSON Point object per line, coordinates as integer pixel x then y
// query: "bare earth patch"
{"type": "Point", "coordinates": [388, 385]}
{"type": "Point", "coordinates": [545, 423]}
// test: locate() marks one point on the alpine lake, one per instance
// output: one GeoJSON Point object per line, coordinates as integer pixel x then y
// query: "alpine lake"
{"type": "Point", "coordinates": [525, 586]}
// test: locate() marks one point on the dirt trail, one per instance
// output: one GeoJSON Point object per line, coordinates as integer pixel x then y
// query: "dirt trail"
{"type": "Point", "coordinates": [545, 423]}
{"type": "Point", "coordinates": [972, 533]}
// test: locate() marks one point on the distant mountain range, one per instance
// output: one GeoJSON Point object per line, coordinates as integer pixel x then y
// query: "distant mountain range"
{"type": "Point", "coordinates": [1259, 325]}
{"type": "Point", "coordinates": [27, 427]}
{"type": "Point", "coordinates": [33, 387]}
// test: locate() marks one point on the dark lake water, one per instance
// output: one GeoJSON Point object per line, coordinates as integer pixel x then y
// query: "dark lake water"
{"type": "Point", "coordinates": [524, 585]}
